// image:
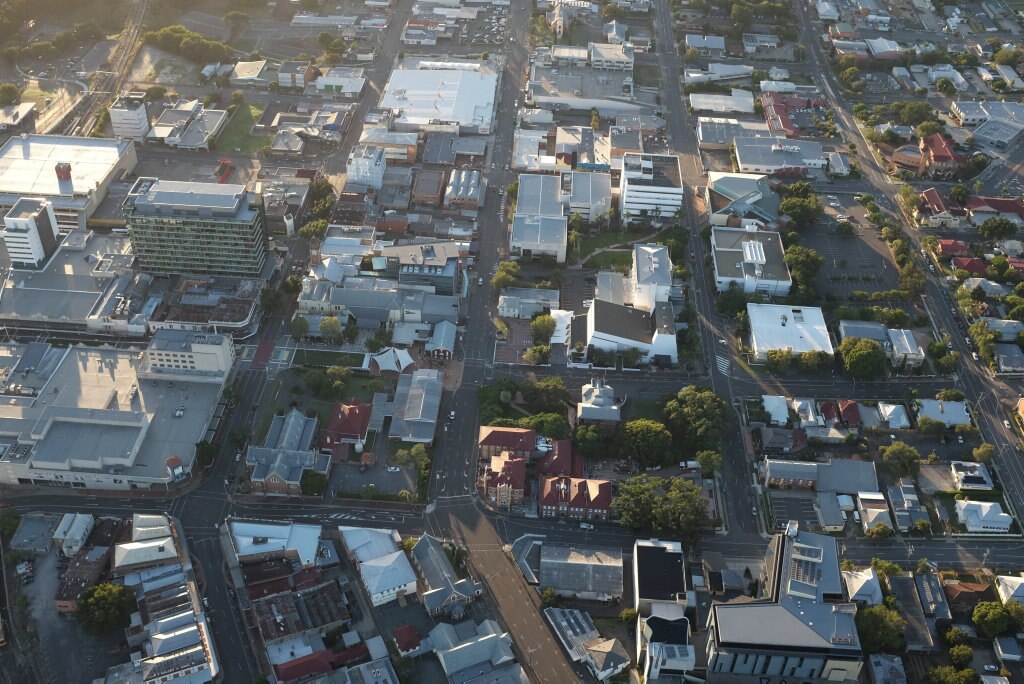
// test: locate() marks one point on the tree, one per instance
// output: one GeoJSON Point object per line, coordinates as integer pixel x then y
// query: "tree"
{"type": "Point", "coordinates": [710, 461]}
{"type": "Point", "coordinates": [9, 521]}
{"type": "Point", "coordinates": [814, 361]}
{"type": "Point", "coordinates": [946, 674]}
{"type": "Point", "coordinates": [696, 418]}
{"type": "Point", "coordinates": [949, 394]}
{"type": "Point", "coordinates": [647, 442]}
{"type": "Point", "coordinates": [299, 327]}
{"type": "Point", "coordinates": [803, 263]}
{"type": "Point", "coordinates": [997, 228]}
{"type": "Point", "coordinates": [691, 56]}
{"type": "Point", "coordinates": [313, 483]}
{"type": "Point", "coordinates": [1006, 56]}
{"type": "Point", "coordinates": [542, 327]}
{"type": "Point", "coordinates": [595, 119]}
{"type": "Point", "coordinates": [154, 93]}
{"type": "Point", "coordinates": [682, 511]}
{"type": "Point", "coordinates": [945, 86]}
{"type": "Point", "coordinates": [507, 275]}
{"type": "Point", "coordinates": [315, 229]}
{"type": "Point", "coordinates": [325, 39]}
{"type": "Point", "coordinates": [779, 360]}
{"type": "Point", "coordinates": [961, 655]}
{"type": "Point", "coordinates": [903, 455]}
{"type": "Point", "coordinates": [537, 355]}
{"type": "Point", "coordinates": [804, 211]}
{"type": "Point", "coordinates": [879, 531]}
{"type": "Point", "coordinates": [330, 328]}
{"type": "Point", "coordinates": [880, 629]}
{"type": "Point", "coordinates": [628, 616]}
{"type": "Point", "coordinates": [930, 426]}
{"type": "Point", "coordinates": [921, 527]}
{"type": "Point", "coordinates": [862, 358]}
{"type": "Point", "coordinates": [957, 636]}
{"type": "Point", "coordinates": [10, 94]}
{"type": "Point", "coordinates": [984, 453]}
{"type": "Point", "coordinates": [909, 197]}
{"type": "Point", "coordinates": [732, 301]}
{"type": "Point", "coordinates": [884, 568]}
{"type": "Point", "coordinates": [588, 441]}
{"type": "Point", "coordinates": [992, 618]}
{"type": "Point", "coordinates": [637, 500]}
{"type": "Point", "coordinates": [206, 452]}
{"type": "Point", "coordinates": [104, 607]}
{"type": "Point", "coordinates": [548, 596]}
{"type": "Point", "coordinates": [914, 112]}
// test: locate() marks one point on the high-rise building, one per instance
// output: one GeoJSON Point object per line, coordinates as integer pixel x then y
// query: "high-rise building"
{"type": "Point", "coordinates": [128, 117]}
{"type": "Point", "coordinates": [30, 232]}
{"type": "Point", "coordinates": [650, 187]}
{"type": "Point", "coordinates": [201, 228]}
{"type": "Point", "coordinates": [366, 166]}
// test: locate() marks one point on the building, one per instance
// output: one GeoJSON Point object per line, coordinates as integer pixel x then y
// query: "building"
{"type": "Point", "coordinates": [465, 190]}
{"type": "Point", "coordinates": [933, 600]}
{"type": "Point", "coordinates": [841, 475]}
{"type": "Point", "coordinates": [417, 402]}
{"type": "Point", "coordinates": [441, 344]}
{"type": "Point", "coordinates": [718, 73]}
{"type": "Point", "coordinates": [659, 574]}
{"type": "Point", "coordinates": [399, 148]}
{"type": "Point", "coordinates": [526, 302]}
{"type": "Point", "coordinates": [752, 260]}
{"type": "Point", "coordinates": [743, 200]}
{"type": "Point", "coordinates": [574, 498]}
{"type": "Point", "coordinates": [917, 637]}
{"type": "Point", "coordinates": [949, 413]}
{"type": "Point", "coordinates": [366, 166]}
{"type": "Point", "coordinates": [433, 265]}
{"type": "Point", "coordinates": [366, 543]}
{"type": "Point", "coordinates": [252, 74]}
{"type": "Point", "coordinates": [296, 75]}
{"type": "Point", "coordinates": [428, 187]}
{"type": "Point", "coordinates": [863, 587]}
{"type": "Point", "coordinates": [755, 42]}
{"type": "Point", "coordinates": [588, 574]}
{"type": "Point", "coordinates": [30, 232]}
{"type": "Point", "coordinates": [611, 56]}
{"type": "Point", "coordinates": [799, 624]}
{"type": "Point", "coordinates": [441, 590]}
{"type": "Point", "coordinates": [779, 156]}
{"type": "Point", "coordinates": [650, 187]}
{"type": "Point", "coordinates": [935, 212]}
{"type": "Point", "coordinates": [617, 328]}
{"type": "Point", "coordinates": [589, 195]}
{"type": "Point", "coordinates": [598, 406]}
{"type": "Point", "coordinates": [388, 578]}
{"type": "Point", "coordinates": [206, 228]}
{"type": "Point", "coordinates": [906, 505]}
{"type": "Point", "coordinates": [1010, 588]}
{"type": "Point", "coordinates": [344, 82]}
{"type": "Point", "coordinates": [459, 98]}
{"type": "Point", "coordinates": [717, 133]}
{"type": "Point", "coordinates": [188, 125]}
{"type": "Point", "coordinates": [706, 46]}
{"type": "Point", "coordinates": [579, 637]}
{"type": "Point", "coordinates": [980, 209]}
{"type": "Point", "coordinates": [72, 532]}
{"type": "Point", "coordinates": [129, 118]}
{"type": "Point", "coordinates": [981, 517]}
{"type": "Point", "coordinates": [504, 481]}
{"type": "Point", "coordinates": [873, 510]}
{"type": "Point", "coordinates": [73, 173]}
{"type": "Point", "coordinates": [254, 541]}
{"type": "Point", "coordinates": [939, 158]}
{"type": "Point", "coordinates": [493, 441]}
{"type": "Point", "coordinates": [886, 669]}
{"type": "Point", "coordinates": [778, 326]}
{"type": "Point", "coordinates": [279, 467]}
{"type": "Point", "coordinates": [827, 11]}
{"type": "Point", "coordinates": [467, 651]}
{"type": "Point", "coordinates": [664, 604]}
{"type": "Point", "coordinates": [904, 350]}
{"type": "Point", "coordinates": [539, 226]}
{"type": "Point", "coordinates": [738, 101]}
{"type": "Point", "coordinates": [969, 476]}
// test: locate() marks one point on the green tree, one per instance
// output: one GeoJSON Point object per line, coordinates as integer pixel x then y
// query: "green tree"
{"type": "Point", "coordinates": [949, 394]}
{"type": "Point", "coordinates": [946, 674]}
{"type": "Point", "coordinates": [957, 636]}
{"type": "Point", "coordinates": [997, 228]}
{"type": "Point", "coordinates": [9, 521]}
{"type": "Point", "coordinates": [206, 452]}
{"type": "Point", "coordinates": [945, 86]}
{"type": "Point", "coordinates": [325, 39]}
{"type": "Point", "coordinates": [961, 655]}
{"type": "Point", "coordinates": [647, 442]}
{"type": "Point", "coordinates": [903, 455]}
{"type": "Point", "coordinates": [880, 629]}
{"type": "Point", "coordinates": [930, 426]}
{"type": "Point", "coordinates": [814, 361]}
{"type": "Point", "coordinates": [542, 327]}
{"type": "Point", "coordinates": [292, 284]}
{"type": "Point", "coordinates": [984, 452]}
{"type": "Point", "coordinates": [104, 607]}
{"type": "Point", "coordinates": [313, 483]}
{"type": "Point", "coordinates": [803, 263]}
{"type": "Point", "coordinates": [628, 616]}
{"type": "Point", "coordinates": [779, 360]}
{"type": "Point", "coordinates": [315, 229]}
{"type": "Point", "coordinates": [710, 461]}
{"type": "Point", "coordinates": [637, 501]}
{"type": "Point", "coordinates": [884, 568]}
{"type": "Point", "coordinates": [154, 93]}
{"type": "Point", "coordinates": [862, 358]}
{"type": "Point", "coordinates": [330, 328]}
{"type": "Point", "coordinates": [548, 596]}
{"type": "Point", "coordinates": [691, 56]}
{"type": "Point", "coordinates": [732, 301]}
{"type": "Point", "coordinates": [299, 327]}
{"type": "Point", "coordinates": [10, 94]}
{"type": "Point", "coordinates": [992, 618]}
{"type": "Point", "coordinates": [804, 211]}
{"type": "Point", "coordinates": [588, 441]}
{"type": "Point", "coordinates": [537, 355]}
{"type": "Point", "coordinates": [507, 275]}
{"type": "Point", "coordinates": [909, 198]}
{"type": "Point", "coordinates": [696, 417]}
{"type": "Point", "coordinates": [879, 531]}
{"type": "Point", "coordinates": [921, 527]}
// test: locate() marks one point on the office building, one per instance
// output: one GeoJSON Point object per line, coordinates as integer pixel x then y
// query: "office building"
{"type": "Point", "coordinates": [650, 187]}
{"type": "Point", "coordinates": [30, 232]}
{"type": "Point", "coordinates": [129, 118]}
{"type": "Point", "coordinates": [202, 228]}
{"type": "Point", "coordinates": [182, 352]}
{"type": "Point", "coordinates": [778, 326]}
{"type": "Point", "coordinates": [753, 260]}
{"type": "Point", "coordinates": [366, 166]}
{"type": "Point", "coordinates": [459, 98]}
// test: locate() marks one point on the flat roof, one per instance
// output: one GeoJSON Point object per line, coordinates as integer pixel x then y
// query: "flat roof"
{"type": "Point", "coordinates": [660, 568]}
{"type": "Point", "coordinates": [27, 164]}
{"type": "Point", "coordinates": [539, 195]}
{"type": "Point", "coordinates": [153, 196]}
{"type": "Point", "coordinates": [656, 170]}
{"type": "Point", "coordinates": [721, 131]}
{"type": "Point", "coordinates": [778, 152]}
{"type": "Point", "coordinates": [780, 326]}
{"type": "Point", "coordinates": [434, 95]}
{"type": "Point", "coordinates": [254, 538]}
{"type": "Point", "coordinates": [731, 254]}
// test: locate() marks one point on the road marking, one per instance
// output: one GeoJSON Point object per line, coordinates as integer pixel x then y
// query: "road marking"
{"type": "Point", "coordinates": [722, 363]}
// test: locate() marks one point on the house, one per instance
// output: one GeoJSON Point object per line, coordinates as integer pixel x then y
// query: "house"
{"type": "Point", "coordinates": [504, 481]}
{"type": "Point", "coordinates": [588, 574]}
{"type": "Point", "coordinates": [805, 628]}
{"type": "Point", "coordinates": [904, 350]}
{"type": "Point", "coordinates": [251, 74]}
{"type": "Point", "coordinates": [526, 302]}
{"type": "Point", "coordinates": [989, 287]}
{"type": "Point", "coordinates": [388, 578]}
{"type": "Point", "coordinates": [579, 637]}
{"type": "Point", "coordinates": [949, 413]}
{"type": "Point", "coordinates": [893, 416]}
{"type": "Point", "coordinates": [441, 590]}
{"type": "Point", "coordinates": [1009, 358]}
{"type": "Point", "coordinates": [973, 265]}
{"type": "Point", "coordinates": [906, 506]}
{"type": "Point", "coordinates": [296, 75]}
{"type": "Point", "coordinates": [1010, 588]}
{"type": "Point", "coordinates": [778, 326]}
{"type": "Point", "coordinates": [963, 597]}
{"type": "Point", "coordinates": [598, 405]}
{"type": "Point", "coordinates": [935, 212]}
{"type": "Point", "coordinates": [349, 424]}
{"type": "Point", "coordinates": [706, 46]}
{"type": "Point", "coordinates": [1007, 330]}
{"type": "Point", "coordinates": [873, 510]}
{"type": "Point", "coordinates": [574, 498]}
{"type": "Point", "coordinates": [983, 517]}
{"type": "Point", "coordinates": [616, 32]}
{"type": "Point", "coordinates": [492, 441]}
{"type": "Point", "coordinates": [863, 587]}
{"type": "Point", "coordinates": [754, 260]}
{"type": "Point", "coordinates": [286, 456]}
{"type": "Point", "coordinates": [850, 413]}
{"type": "Point", "coordinates": [939, 158]}
{"type": "Point", "coordinates": [417, 402]}
{"type": "Point", "coordinates": [777, 409]}
{"type": "Point", "coordinates": [827, 11]}
{"type": "Point", "coordinates": [953, 248]}
{"type": "Point", "coordinates": [467, 651]}
{"type": "Point", "coordinates": [980, 209]}
{"type": "Point", "coordinates": [917, 636]}
{"type": "Point", "coordinates": [886, 669]}
{"type": "Point", "coordinates": [441, 344]}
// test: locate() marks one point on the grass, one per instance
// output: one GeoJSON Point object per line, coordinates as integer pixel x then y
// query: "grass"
{"type": "Point", "coordinates": [323, 358]}
{"type": "Point", "coordinates": [362, 389]}
{"type": "Point", "coordinates": [591, 243]}
{"type": "Point", "coordinates": [269, 411]}
{"type": "Point", "coordinates": [237, 135]}
{"type": "Point", "coordinates": [323, 409]}
{"type": "Point", "coordinates": [648, 407]}
{"type": "Point", "coordinates": [647, 75]}
{"type": "Point", "coordinates": [610, 260]}
{"type": "Point", "coordinates": [33, 93]}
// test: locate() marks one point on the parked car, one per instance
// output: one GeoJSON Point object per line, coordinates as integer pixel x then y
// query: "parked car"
{"type": "Point", "coordinates": [586, 526]}
{"type": "Point", "coordinates": [394, 469]}
{"type": "Point", "coordinates": [1006, 424]}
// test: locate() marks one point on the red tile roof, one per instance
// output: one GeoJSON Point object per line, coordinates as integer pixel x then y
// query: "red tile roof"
{"type": "Point", "coordinates": [513, 439]}
{"type": "Point", "coordinates": [320, 663]}
{"type": "Point", "coordinates": [940, 148]}
{"type": "Point", "coordinates": [829, 410]}
{"type": "Point", "coordinates": [1001, 205]}
{"type": "Point", "coordinates": [850, 412]}
{"type": "Point", "coordinates": [953, 248]}
{"type": "Point", "coordinates": [1015, 263]}
{"type": "Point", "coordinates": [348, 421]}
{"type": "Point", "coordinates": [575, 492]}
{"type": "Point", "coordinates": [933, 201]}
{"type": "Point", "coordinates": [563, 460]}
{"type": "Point", "coordinates": [506, 470]}
{"type": "Point", "coordinates": [972, 265]}
{"type": "Point", "coordinates": [406, 637]}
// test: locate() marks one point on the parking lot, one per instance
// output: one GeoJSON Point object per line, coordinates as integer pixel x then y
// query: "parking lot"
{"type": "Point", "coordinates": [519, 340]}
{"type": "Point", "coordinates": [488, 27]}
{"type": "Point", "coordinates": [577, 287]}
{"type": "Point", "coordinates": [347, 478]}
{"type": "Point", "coordinates": [788, 506]}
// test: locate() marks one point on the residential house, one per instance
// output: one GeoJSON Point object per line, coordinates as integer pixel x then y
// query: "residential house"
{"type": "Point", "coordinates": [949, 413]}
{"type": "Point", "coordinates": [970, 476]}
{"type": "Point", "coordinates": [287, 454]}
{"type": "Point", "coordinates": [517, 442]}
{"type": "Point", "coordinates": [886, 669]}
{"type": "Point", "coordinates": [574, 498]}
{"type": "Point", "coordinates": [441, 590]}
{"type": "Point", "coordinates": [873, 510]}
{"type": "Point", "coordinates": [467, 651]}
{"type": "Point", "coordinates": [579, 637]}
{"type": "Point", "coordinates": [504, 481]}
{"type": "Point", "coordinates": [863, 587]}
{"type": "Point", "coordinates": [989, 287]}
{"type": "Point", "coordinates": [598, 406]}
{"type": "Point", "coordinates": [906, 505]}
{"type": "Point", "coordinates": [953, 248]}
{"type": "Point", "coordinates": [933, 600]}
{"type": "Point", "coordinates": [963, 597]}
{"type": "Point", "coordinates": [973, 265]}
{"type": "Point", "coordinates": [388, 578]}
{"type": "Point", "coordinates": [1010, 588]}
{"type": "Point", "coordinates": [934, 211]}
{"type": "Point", "coordinates": [983, 517]}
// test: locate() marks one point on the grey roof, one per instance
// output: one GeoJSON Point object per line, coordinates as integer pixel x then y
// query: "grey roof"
{"type": "Point", "coordinates": [1009, 357]}
{"type": "Point", "coordinates": [905, 504]}
{"type": "Point", "coordinates": [577, 570]}
{"type": "Point", "coordinates": [590, 188]}
{"type": "Point", "coordinates": [463, 185]}
{"type": "Point", "coordinates": [869, 330]}
{"type": "Point", "coordinates": [652, 265]}
{"type": "Point", "coordinates": [933, 598]}
{"type": "Point", "coordinates": [887, 668]}
{"type": "Point", "coordinates": [829, 513]}
{"type": "Point", "coordinates": [705, 42]}
{"type": "Point", "coordinates": [916, 634]}
{"type": "Point", "coordinates": [291, 431]}
{"type": "Point", "coordinates": [442, 338]}
{"type": "Point", "coordinates": [539, 195]}
{"type": "Point", "coordinates": [574, 628]}
{"type": "Point", "coordinates": [622, 321]}
{"type": "Point", "coordinates": [417, 401]}
{"type": "Point", "coordinates": [801, 607]}
{"type": "Point", "coordinates": [731, 258]}
{"type": "Point", "coordinates": [462, 646]}
{"type": "Point", "coordinates": [607, 654]}
{"type": "Point", "coordinates": [765, 152]}
{"type": "Point", "coordinates": [153, 196]}
{"type": "Point", "coordinates": [287, 450]}
{"type": "Point", "coordinates": [531, 229]}
{"type": "Point", "coordinates": [386, 573]}
{"type": "Point", "coordinates": [443, 585]}
{"type": "Point", "coordinates": [950, 413]}
{"type": "Point", "coordinates": [597, 402]}
{"type": "Point", "coordinates": [366, 543]}
{"type": "Point", "coordinates": [1007, 329]}
{"type": "Point", "coordinates": [721, 131]}
{"type": "Point", "coordinates": [843, 476]}
{"type": "Point", "coordinates": [747, 194]}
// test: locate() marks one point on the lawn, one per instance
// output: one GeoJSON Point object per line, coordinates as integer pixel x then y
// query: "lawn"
{"type": "Point", "coordinates": [610, 260]}
{"type": "Point", "coordinates": [647, 407]}
{"type": "Point", "coordinates": [237, 135]}
{"type": "Point", "coordinates": [323, 410]}
{"type": "Point", "coordinates": [323, 358]}
{"type": "Point", "coordinates": [363, 389]}
{"type": "Point", "coordinates": [647, 75]}
{"type": "Point", "coordinates": [33, 93]}
{"type": "Point", "coordinates": [591, 243]}
{"type": "Point", "coordinates": [269, 411]}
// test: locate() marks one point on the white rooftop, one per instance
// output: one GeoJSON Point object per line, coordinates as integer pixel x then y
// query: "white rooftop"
{"type": "Point", "coordinates": [428, 95]}
{"type": "Point", "coordinates": [780, 326]}
{"type": "Point", "coordinates": [27, 163]}
{"type": "Point", "coordinates": [149, 551]}
{"type": "Point", "coordinates": [259, 537]}
{"type": "Point", "coordinates": [366, 543]}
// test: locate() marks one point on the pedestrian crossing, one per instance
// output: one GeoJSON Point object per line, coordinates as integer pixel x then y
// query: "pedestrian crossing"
{"type": "Point", "coordinates": [722, 363]}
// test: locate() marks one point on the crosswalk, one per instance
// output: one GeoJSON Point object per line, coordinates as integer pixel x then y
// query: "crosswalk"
{"type": "Point", "coordinates": [722, 363]}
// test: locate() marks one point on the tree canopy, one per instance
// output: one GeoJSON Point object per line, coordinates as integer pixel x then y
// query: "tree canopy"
{"type": "Point", "coordinates": [862, 358]}
{"type": "Point", "coordinates": [542, 327]}
{"type": "Point", "coordinates": [880, 629]}
{"type": "Point", "coordinates": [299, 327]}
{"type": "Point", "coordinates": [803, 263]}
{"type": "Point", "coordinates": [105, 606]}
{"type": "Point", "coordinates": [676, 507]}
{"type": "Point", "coordinates": [992, 618]}
{"type": "Point", "coordinates": [647, 442]}
{"type": "Point", "coordinates": [902, 454]}
{"type": "Point", "coordinates": [997, 228]}
{"type": "Point", "coordinates": [696, 417]}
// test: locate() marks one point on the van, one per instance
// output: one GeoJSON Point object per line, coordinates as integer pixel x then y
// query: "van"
{"type": "Point", "coordinates": [843, 513]}
{"type": "Point", "coordinates": [856, 517]}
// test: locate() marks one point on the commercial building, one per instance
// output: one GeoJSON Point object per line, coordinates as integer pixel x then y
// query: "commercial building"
{"type": "Point", "coordinates": [206, 228]}
{"type": "Point", "coordinates": [579, 637]}
{"type": "Point", "coordinates": [492, 441]}
{"type": "Point", "coordinates": [588, 574]}
{"type": "Point", "coordinates": [751, 259]}
{"type": "Point", "coordinates": [917, 637]}
{"type": "Point", "coordinates": [400, 148]}
{"type": "Point", "coordinates": [738, 101]}
{"type": "Point", "coordinates": [296, 75]}
{"type": "Point", "coordinates": [467, 651]}
{"type": "Point", "coordinates": [598, 405]}
{"type": "Point", "coordinates": [589, 194]}
{"type": "Point", "coordinates": [665, 606]}
{"type": "Point", "coordinates": [251, 74]}
{"type": "Point", "coordinates": [465, 190]}
{"type": "Point", "coordinates": [423, 265]}
{"type": "Point", "coordinates": [30, 232]}
{"type": "Point", "coordinates": [617, 328]}
{"type": "Point", "coordinates": [129, 118]}
{"type": "Point", "coordinates": [417, 402]}
{"type": "Point", "coordinates": [799, 624]}
{"type": "Point", "coordinates": [526, 302]}
{"type": "Point", "coordinates": [742, 200]}
{"type": "Point", "coordinates": [778, 326]}
{"type": "Point", "coordinates": [539, 226]}
{"type": "Point", "coordinates": [650, 187]}
{"type": "Point", "coordinates": [574, 498]}
{"type": "Point", "coordinates": [779, 156]}
{"type": "Point", "coordinates": [344, 82]}
{"type": "Point", "coordinates": [455, 96]}
{"type": "Point", "coordinates": [754, 42]}
{"type": "Point", "coordinates": [73, 173]}
{"type": "Point", "coordinates": [718, 73]}
{"type": "Point", "coordinates": [504, 481]}
{"type": "Point", "coordinates": [122, 426]}
{"type": "Point", "coordinates": [717, 133]}
{"type": "Point", "coordinates": [188, 125]}
{"type": "Point", "coordinates": [706, 46]}
{"type": "Point", "coordinates": [366, 166]}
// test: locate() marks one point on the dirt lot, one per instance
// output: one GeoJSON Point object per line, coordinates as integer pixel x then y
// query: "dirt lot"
{"type": "Point", "coordinates": [154, 66]}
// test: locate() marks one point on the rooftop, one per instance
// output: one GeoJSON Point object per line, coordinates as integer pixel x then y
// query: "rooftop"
{"type": "Point", "coordinates": [581, 570]}
{"type": "Point", "coordinates": [258, 538]}
{"type": "Point", "coordinates": [27, 164]}
{"type": "Point", "coordinates": [428, 95]}
{"type": "Point", "coordinates": [660, 569]}
{"type": "Point", "coordinates": [736, 257]}
{"type": "Point", "coordinates": [655, 170]}
{"type": "Point", "coordinates": [152, 196]}
{"type": "Point", "coordinates": [779, 326]}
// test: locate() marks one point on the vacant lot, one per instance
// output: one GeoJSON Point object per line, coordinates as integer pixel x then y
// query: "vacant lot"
{"type": "Point", "coordinates": [238, 137]}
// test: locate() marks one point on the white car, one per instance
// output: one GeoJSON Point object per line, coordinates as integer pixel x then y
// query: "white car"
{"type": "Point", "coordinates": [543, 445]}
{"type": "Point", "coordinates": [1006, 424]}
{"type": "Point", "coordinates": [587, 303]}
{"type": "Point", "coordinates": [451, 415]}
{"type": "Point", "coordinates": [586, 526]}
{"type": "Point", "coordinates": [394, 469]}
{"type": "Point", "coordinates": [841, 217]}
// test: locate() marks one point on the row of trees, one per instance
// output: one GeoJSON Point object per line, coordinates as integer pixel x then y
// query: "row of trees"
{"type": "Point", "coordinates": [674, 507]}
{"type": "Point", "coordinates": [186, 43]}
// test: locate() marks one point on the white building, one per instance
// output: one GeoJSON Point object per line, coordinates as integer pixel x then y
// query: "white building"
{"type": "Point", "coordinates": [590, 194]}
{"type": "Point", "coordinates": [30, 232]}
{"type": "Point", "coordinates": [539, 225]}
{"type": "Point", "coordinates": [949, 413]}
{"type": "Point", "coordinates": [1010, 588]}
{"type": "Point", "coordinates": [904, 349]}
{"type": "Point", "coordinates": [780, 326]}
{"type": "Point", "coordinates": [983, 516]}
{"type": "Point", "coordinates": [651, 277]}
{"type": "Point", "coordinates": [752, 259]}
{"type": "Point", "coordinates": [366, 166]}
{"type": "Point", "coordinates": [616, 57]}
{"type": "Point", "coordinates": [827, 11]}
{"type": "Point", "coordinates": [388, 578]}
{"type": "Point", "coordinates": [736, 102]}
{"type": "Point", "coordinates": [650, 187]}
{"type": "Point", "coordinates": [345, 82]}
{"type": "Point", "coordinates": [718, 73]}
{"type": "Point", "coordinates": [184, 353]}
{"type": "Point", "coordinates": [72, 532]}
{"type": "Point", "coordinates": [617, 328]}
{"type": "Point", "coordinates": [435, 97]}
{"type": "Point", "coordinates": [765, 155]}
{"type": "Point", "coordinates": [128, 117]}
{"type": "Point", "coordinates": [863, 587]}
